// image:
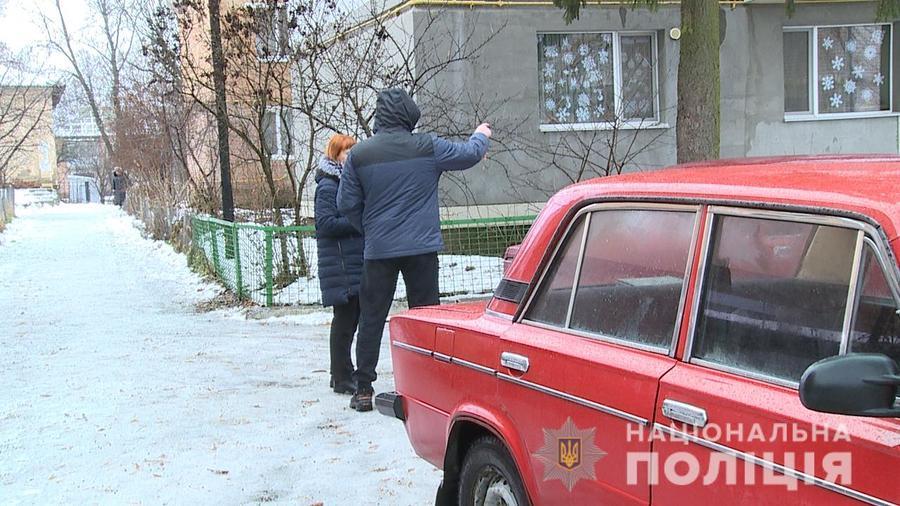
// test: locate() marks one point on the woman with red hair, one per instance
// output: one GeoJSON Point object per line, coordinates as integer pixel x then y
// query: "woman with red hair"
{"type": "Point", "coordinates": [340, 248]}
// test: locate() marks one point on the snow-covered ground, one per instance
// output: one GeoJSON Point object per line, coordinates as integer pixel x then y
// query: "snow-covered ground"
{"type": "Point", "coordinates": [114, 390]}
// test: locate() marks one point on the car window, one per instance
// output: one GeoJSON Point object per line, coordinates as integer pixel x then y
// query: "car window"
{"type": "Point", "coordinates": [631, 278]}
{"type": "Point", "coordinates": [876, 327]}
{"type": "Point", "coordinates": [551, 303]}
{"type": "Point", "coordinates": [774, 295]}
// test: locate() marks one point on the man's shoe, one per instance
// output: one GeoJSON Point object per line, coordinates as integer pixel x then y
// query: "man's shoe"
{"type": "Point", "coordinates": [344, 387]}
{"type": "Point", "coordinates": [361, 401]}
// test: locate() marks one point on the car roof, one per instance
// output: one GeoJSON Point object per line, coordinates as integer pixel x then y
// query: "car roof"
{"type": "Point", "coordinates": [861, 184]}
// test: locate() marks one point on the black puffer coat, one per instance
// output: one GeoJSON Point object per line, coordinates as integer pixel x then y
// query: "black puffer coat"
{"type": "Point", "coordinates": [340, 245]}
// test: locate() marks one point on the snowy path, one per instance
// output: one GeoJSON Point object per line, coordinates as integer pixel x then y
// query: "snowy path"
{"type": "Point", "coordinates": [113, 390]}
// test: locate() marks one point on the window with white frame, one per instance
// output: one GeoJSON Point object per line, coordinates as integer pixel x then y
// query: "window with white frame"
{"type": "Point", "coordinates": [277, 127]}
{"type": "Point", "coordinates": [271, 27]}
{"type": "Point", "coordinates": [837, 70]}
{"type": "Point", "coordinates": [596, 79]}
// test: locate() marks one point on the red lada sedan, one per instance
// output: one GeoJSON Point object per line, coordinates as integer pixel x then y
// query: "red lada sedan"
{"type": "Point", "coordinates": [716, 333]}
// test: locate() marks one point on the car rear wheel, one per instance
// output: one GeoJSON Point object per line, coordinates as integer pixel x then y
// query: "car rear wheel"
{"type": "Point", "coordinates": [489, 476]}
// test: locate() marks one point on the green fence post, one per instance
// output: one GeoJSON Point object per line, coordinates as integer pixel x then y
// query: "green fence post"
{"type": "Point", "coordinates": [268, 267]}
{"type": "Point", "coordinates": [235, 236]}
{"type": "Point", "coordinates": [214, 244]}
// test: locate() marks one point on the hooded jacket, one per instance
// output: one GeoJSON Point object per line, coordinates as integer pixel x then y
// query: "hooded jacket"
{"type": "Point", "coordinates": [340, 245]}
{"type": "Point", "coordinates": [389, 186]}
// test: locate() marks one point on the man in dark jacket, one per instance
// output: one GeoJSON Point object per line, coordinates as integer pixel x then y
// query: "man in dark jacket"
{"type": "Point", "coordinates": [388, 191]}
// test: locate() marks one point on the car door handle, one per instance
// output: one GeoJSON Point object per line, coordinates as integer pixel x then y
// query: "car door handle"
{"type": "Point", "coordinates": [514, 361]}
{"type": "Point", "coordinates": [683, 412]}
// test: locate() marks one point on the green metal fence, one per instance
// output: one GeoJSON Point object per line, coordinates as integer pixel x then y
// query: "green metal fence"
{"type": "Point", "coordinates": [278, 265]}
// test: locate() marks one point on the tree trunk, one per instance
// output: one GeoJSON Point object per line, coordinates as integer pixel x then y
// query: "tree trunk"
{"type": "Point", "coordinates": [218, 64]}
{"type": "Point", "coordinates": [697, 132]}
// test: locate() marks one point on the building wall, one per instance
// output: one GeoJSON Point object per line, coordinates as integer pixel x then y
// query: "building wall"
{"type": "Point", "coordinates": [752, 92]}
{"type": "Point", "coordinates": [753, 119]}
{"type": "Point", "coordinates": [507, 71]}
{"type": "Point", "coordinates": [34, 163]}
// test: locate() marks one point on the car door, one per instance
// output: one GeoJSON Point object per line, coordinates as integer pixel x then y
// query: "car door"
{"type": "Point", "coordinates": [778, 292]}
{"type": "Point", "coordinates": [579, 371]}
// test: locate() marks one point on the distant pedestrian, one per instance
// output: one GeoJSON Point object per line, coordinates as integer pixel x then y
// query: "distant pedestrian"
{"type": "Point", "coordinates": [340, 248]}
{"type": "Point", "coordinates": [119, 185]}
{"type": "Point", "coordinates": [389, 192]}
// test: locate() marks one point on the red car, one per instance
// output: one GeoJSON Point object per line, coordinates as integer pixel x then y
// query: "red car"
{"type": "Point", "coordinates": [716, 333]}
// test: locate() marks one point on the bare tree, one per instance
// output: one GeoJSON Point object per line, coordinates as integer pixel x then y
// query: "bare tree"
{"type": "Point", "coordinates": [97, 64]}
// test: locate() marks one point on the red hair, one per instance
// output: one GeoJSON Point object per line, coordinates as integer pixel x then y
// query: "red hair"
{"type": "Point", "coordinates": [338, 144]}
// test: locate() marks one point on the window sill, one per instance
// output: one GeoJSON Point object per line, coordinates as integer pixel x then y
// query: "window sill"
{"type": "Point", "coordinates": [791, 118]}
{"type": "Point", "coordinates": [582, 127]}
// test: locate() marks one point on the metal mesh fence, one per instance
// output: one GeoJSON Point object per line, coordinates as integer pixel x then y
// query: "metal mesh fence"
{"type": "Point", "coordinates": [278, 265]}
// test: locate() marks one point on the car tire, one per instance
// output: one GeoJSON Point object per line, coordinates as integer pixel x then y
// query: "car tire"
{"type": "Point", "coordinates": [489, 476]}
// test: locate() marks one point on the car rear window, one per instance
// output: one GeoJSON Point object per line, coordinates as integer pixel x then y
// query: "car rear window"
{"type": "Point", "coordinates": [775, 295]}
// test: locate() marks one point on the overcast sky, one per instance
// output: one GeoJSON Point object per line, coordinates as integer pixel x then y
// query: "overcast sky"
{"type": "Point", "coordinates": [20, 25]}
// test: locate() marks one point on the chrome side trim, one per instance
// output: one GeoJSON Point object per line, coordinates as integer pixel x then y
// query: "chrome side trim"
{"type": "Point", "coordinates": [496, 314]}
{"type": "Point", "coordinates": [441, 357]}
{"type": "Point", "coordinates": [473, 366]}
{"type": "Point", "coordinates": [772, 466]}
{"type": "Point", "coordinates": [577, 400]}
{"type": "Point", "coordinates": [410, 347]}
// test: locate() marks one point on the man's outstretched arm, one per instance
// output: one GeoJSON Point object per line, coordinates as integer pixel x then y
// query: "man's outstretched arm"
{"type": "Point", "coordinates": [462, 155]}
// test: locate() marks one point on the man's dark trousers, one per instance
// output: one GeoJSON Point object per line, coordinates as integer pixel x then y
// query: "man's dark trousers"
{"type": "Point", "coordinates": [379, 281]}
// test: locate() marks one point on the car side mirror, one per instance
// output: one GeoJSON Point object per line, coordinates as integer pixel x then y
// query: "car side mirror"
{"type": "Point", "coordinates": [858, 384]}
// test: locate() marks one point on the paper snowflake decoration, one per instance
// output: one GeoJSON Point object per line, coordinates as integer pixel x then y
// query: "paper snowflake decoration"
{"type": "Point", "coordinates": [871, 52]}
{"type": "Point", "coordinates": [867, 95]}
{"type": "Point", "coordinates": [851, 46]}
{"type": "Point", "coordinates": [551, 52]}
{"type": "Point", "coordinates": [589, 65]}
{"type": "Point", "coordinates": [549, 69]}
{"type": "Point", "coordinates": [573, 82]}
{"type": "Point", "coordinates": [566, 44]}
{"type": "Point", "coordinates": [607, 38]}
{"type": "Point", "coordinates": [582, 114]}
{"type": "Point", "coordinates": [850, 87]}
{"type": "Point", "coordinates": [593, 75]}
{"type": "Point", "coordinates": [603, 56]}
{"type": "Point", "coordinates": [828, 42]}
{"type": "Point", "coordinates": [550, 104]}
{"type": "Point", "coordinates": [878, 79]}
{"type": "Point", "coordinates": [858, 71]}
{"type": "Point", "coordinates": [600, 95]}
{"type": "Point", "coordinates": [878, 36]}
{"type": "Point", "coordinates": [569, 58]}
{"type": "Point", "coordinates": [837, 63]}
{"type": "Point", "coordinates": [583, 50]}
{"type": "Point", "coordinates": [601, 110]}
{"type": "Point", "coordinates": [548, 86]}
{"type": "Point", "coordinates": [836, 100]}
{"type": "Point", "coordinates": [828, 83]}
{"type": "Point", "coordinates": [584, 99]}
